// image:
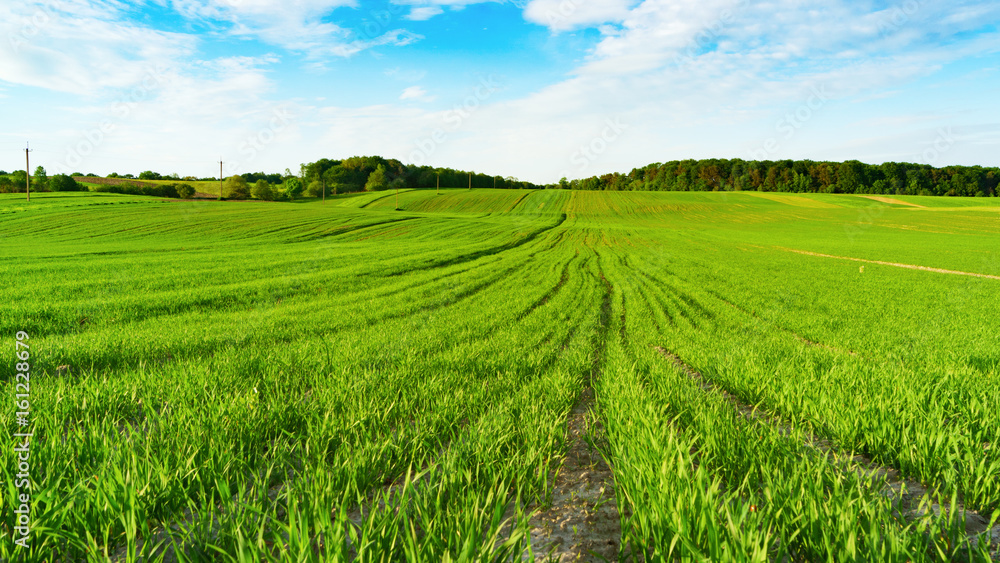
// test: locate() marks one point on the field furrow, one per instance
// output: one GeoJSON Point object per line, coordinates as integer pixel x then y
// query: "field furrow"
{"type": "Point", "coordinates": [503, 375]}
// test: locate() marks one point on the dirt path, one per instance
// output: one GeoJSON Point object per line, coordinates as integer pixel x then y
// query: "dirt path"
{"type": "Point", "coordinates": [895, 264]}
{"type": "Point", "coordinates": [893, 201]}
{"type": "Point", "coordinates": [907, 503]}
{"type": "Point", "coordinates": [582, 523]}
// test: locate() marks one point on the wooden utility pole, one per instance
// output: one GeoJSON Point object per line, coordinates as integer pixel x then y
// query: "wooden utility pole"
{"type": "Point", "coordinates": [220, 178]}
{"type": "Point", "coordinates": [470, 180]}
{"type": "Point", "coordinates": [27, 171]}
{"type": "Point", "coordinates": [439, 183]}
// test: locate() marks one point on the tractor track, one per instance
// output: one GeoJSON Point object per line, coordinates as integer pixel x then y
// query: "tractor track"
{"type": "Point", "coordinates": [905, 493]}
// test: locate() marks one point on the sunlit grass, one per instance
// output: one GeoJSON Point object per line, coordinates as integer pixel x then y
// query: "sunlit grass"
{"type": "Point", "coordinates": [275, 381]}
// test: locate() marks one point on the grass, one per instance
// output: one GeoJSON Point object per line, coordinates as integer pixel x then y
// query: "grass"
{"type": "Point", "coordinates": [273, 381]}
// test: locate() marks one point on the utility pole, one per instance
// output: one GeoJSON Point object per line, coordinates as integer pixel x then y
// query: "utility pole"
{"type": "Point", "coordinates": [27, 171]}
{"type": "Point", "coordinates": [470, 180]}
{"type": "Point", "coordinates": [439, 183]}
{"type": "Point", "coordinates": [220, 178]}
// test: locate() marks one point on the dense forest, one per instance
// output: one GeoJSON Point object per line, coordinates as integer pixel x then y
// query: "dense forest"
{"type": "Point", "coordinates": [375, 173]}
{"type": "Point", "coordinates": [850, 177]}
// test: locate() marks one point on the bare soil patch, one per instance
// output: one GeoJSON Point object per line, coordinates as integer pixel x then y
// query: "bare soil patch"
{"type": "Point", "coordinates": [582, 523]}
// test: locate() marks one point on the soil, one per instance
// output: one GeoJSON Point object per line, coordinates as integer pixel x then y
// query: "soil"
{"type": "Point", "coordinates": [582, 523]}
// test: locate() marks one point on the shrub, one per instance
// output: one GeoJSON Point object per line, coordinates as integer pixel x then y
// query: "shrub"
{"type": "Point", "coordinates": [63, 183]}
{"type": "Point", "coordinates": [235, 187]}
{"type": "Point", "coordinates": [185, 191]}
{"type": "Point", "coordinates": [169, 190]}
{"type": "Point", "coordinates": [262, 190]}
{"type": "Point", "coordinates": [18, 177]}
{"type": "Point", "coordinates": [376, 180]}
{"type": "Point", "coordinates": [293, 187]}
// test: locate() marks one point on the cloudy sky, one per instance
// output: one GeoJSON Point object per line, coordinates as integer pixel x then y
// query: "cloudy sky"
{"type": "Point", "coordinates": [536, 89]}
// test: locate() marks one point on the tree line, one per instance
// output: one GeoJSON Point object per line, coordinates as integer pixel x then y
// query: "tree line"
{"type": "Point", "coordinates": [372, 173]}
{"type": "Point", "coordinates": [849, 177]}
{"type": "Point", "coordinates": [16, 181]}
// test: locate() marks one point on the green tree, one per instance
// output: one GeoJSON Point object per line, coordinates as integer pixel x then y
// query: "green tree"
{"type": "Point", "coordinates": [185, 191]}
{"type": "Point", "coordinates": [851, 177]}
{"type": "Point", "coordinates": [40, 182]}
{"type": "Point", "coordinates": [293, 187]}
{"type": "Point", "coordinates": [7, 186]}
{"type": "Point", "coordinates": [235, 187]}
{"type": "Point", "coordinates": [63, 183]}
{"type": "Point", "coordinates": [376, 180]}
{"type": "Point", "coordinates": [262, 190]}
{"type": "Point", "coordinates": [150, 175]}
{"type": "Point", "coordinates": [19, 178]}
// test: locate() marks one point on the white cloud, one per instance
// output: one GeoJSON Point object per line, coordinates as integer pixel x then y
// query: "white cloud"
{"type": "Point", "coordinates": [421, 10]}
{"type": "Point", "coordinates": [422, 13]}
{"type": "Point", "coordinates": [415, 93]}
{"type": "Point", "coordinates": [299, 26]}
{"type": "Point", "coordinates": [563, 15]}
{"type": "Point", "coordinates": [81, 48]}
{"type": "Point", "coordinates": [686, 78]}
{"type": "Point", "coordinates": [405, 75]}
{"type": "Point", "coordinates": [708, 79]}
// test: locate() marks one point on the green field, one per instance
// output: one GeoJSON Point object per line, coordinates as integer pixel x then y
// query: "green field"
{"type": "Point", "coordinates": [246, 381]}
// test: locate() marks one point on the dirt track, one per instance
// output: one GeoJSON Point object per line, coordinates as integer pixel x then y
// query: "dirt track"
{"type": "Point", "coordinates": [895, 264]}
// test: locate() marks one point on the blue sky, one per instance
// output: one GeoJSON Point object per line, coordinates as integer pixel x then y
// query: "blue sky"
{"type": "Point", "coordinates": [536, 89]}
